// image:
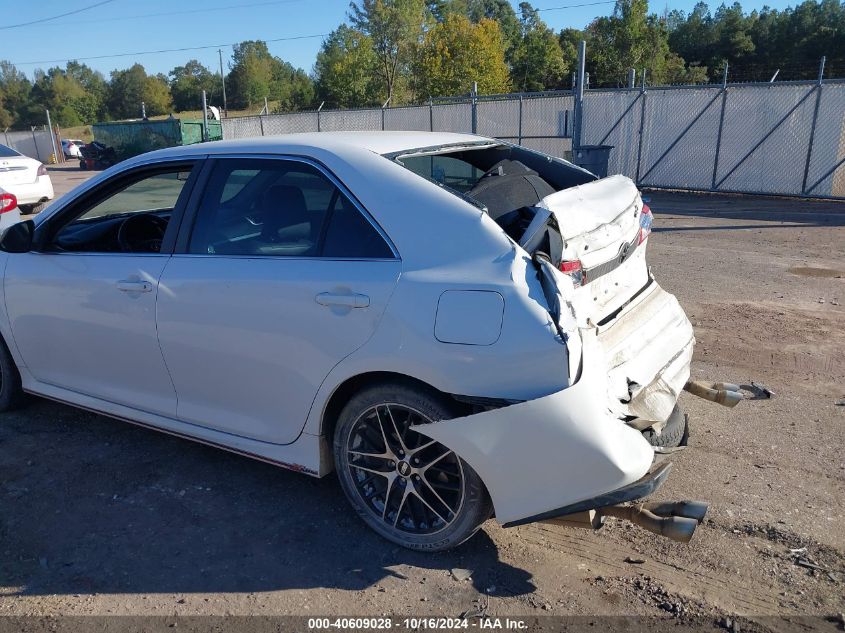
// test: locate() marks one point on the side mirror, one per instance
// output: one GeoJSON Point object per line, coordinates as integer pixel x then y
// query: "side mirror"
{"type": "Point", "coordinates": [18, 237]}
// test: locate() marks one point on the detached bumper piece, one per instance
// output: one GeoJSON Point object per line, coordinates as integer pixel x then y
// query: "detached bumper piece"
{"type": "Point", "coordinates": [676, 520]}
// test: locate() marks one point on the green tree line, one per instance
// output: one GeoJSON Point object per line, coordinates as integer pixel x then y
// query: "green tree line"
{"type": "Point", "coordinates": [406, 51]}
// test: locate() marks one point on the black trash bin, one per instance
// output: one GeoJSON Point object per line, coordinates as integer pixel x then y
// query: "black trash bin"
{"type": "Point", "coordinates": [593, 158]}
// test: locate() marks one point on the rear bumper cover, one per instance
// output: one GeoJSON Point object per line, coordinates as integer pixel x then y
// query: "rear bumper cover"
{"type": "Point", "coordinates": [33, 192]}
{"type": "Point", "coordinates": [643, 487]}
{"type": "Point", "coordinates": [538, 456]}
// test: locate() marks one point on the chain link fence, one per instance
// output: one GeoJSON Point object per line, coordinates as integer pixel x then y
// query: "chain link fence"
{"type": "Point", "coordinates": [784, 138]}
{"type": "Point", "coordinates": [35, 143]}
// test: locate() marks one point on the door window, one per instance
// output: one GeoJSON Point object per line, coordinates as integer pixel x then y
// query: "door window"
{"type": "Point", "coordinates": [280, 208]}
{"type": "Point", "coordinates": [132, 219]}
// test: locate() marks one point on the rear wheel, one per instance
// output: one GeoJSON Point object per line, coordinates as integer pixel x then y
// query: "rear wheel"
{"type": "Point", "coordinates": [408, 488]}
{"type": "Point", "coordinates": [31, 209]}
{"type": "Point", "coordinates": [674, 433]}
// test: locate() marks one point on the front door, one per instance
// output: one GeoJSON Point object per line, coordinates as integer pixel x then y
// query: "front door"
{"type": "Point", "coordinates": [283, 276]}
{"type": "Point", "coordinates": [83, 308]}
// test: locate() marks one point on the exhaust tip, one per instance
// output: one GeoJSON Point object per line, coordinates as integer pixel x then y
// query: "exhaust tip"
{"type": "Point", "coordinates": [674, 520]}
{"type": "Point", "coordinates": [692, 510]}
{"type": "Point", "coordinates": [678, 529]}
{"type": "Point", "coordinates": [689, 509]}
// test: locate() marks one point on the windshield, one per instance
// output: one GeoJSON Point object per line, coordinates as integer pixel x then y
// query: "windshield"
{"type": "Point", "coordinates": [7, 152]}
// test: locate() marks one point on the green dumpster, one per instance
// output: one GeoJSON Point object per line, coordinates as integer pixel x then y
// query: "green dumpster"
{"type": "Point", "coordinates": [130, 138]}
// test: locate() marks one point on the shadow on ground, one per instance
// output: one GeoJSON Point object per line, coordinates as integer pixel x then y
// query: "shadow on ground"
{"type": "Point", "coordinates": [92, 505]}
{"type": "Point", "coordinates": [823, 213]}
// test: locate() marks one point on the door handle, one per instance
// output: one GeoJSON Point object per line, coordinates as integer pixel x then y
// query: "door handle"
{"type": "Point", "coordinates": [351, 300]}
{"type": "Point", "coordinates": [134, 286]}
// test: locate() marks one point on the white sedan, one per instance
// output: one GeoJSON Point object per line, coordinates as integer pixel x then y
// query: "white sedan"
{"type": "Point", "coordinates": [458, 326]}
{"type": "Point", "coordinates": [26, 178]}
{"type": "Point", "coordinates": [71, 148]}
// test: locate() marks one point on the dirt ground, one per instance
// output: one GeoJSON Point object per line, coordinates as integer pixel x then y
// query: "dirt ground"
{"type": "Point", "coordinates": [98, 517]}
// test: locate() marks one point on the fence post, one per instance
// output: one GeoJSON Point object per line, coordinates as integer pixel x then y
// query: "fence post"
{"type": "Point", "coordinates": [813, 128]}
{"type": "Point", "coordinates": [318, 116]}
{"type": "Point", "coordinates": [520, 120]}
{"type": "Point", "coordinates": [579, 95]}
{"type": "Point", "coordinates": [721, 126]}
{"type": "Point", "coordinates": [205, 118]}
{"type": "Point", "coordinates": [474, 95]}
{"type": "Point", "coordinates": [632, 78]}
{"type": "Point", "coordinates": [642, 126]}
{"type": "Point", "coordinates": [52, 137]}
{"type": "Point", "coordinates": [430, 114]}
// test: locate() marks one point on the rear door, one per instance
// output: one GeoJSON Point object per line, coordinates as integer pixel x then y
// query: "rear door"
{"type": "Point", "coordinates": [281, 275]}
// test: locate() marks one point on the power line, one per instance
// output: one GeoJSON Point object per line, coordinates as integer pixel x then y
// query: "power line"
{"type": "Point", "coordinates": [56, 17]}
{"type": "Point", "coordinates": [185, 12]}
{"type": "Point", "coordinates": [575, 6]}
{"type": "Point", "coordinates": [162, 50]}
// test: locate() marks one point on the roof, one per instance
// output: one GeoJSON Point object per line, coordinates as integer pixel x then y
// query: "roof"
{"type": "Point", "coordinates": [377, 142]}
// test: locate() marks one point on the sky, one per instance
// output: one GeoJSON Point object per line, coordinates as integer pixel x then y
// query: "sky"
{"type": "Point", "coordinates": [133, 29]}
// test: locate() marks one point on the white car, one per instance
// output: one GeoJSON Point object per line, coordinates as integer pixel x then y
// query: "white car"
{"type": "Point", "coordinates": [9, 212]}
{"type": "Point", "coordinates": [456, 325]}
{"type": "Point", "coordinates": [71, 148]}
{"type": "Point", "coordinates": [26, 178]}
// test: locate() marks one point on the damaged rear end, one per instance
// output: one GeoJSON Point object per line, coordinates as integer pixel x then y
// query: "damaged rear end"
{"type": "Point", "coordinates": [576, 455]}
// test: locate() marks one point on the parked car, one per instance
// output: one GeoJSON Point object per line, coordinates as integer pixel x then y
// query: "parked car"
{"type": "Point", "coordinates": [9, 211]}
{"type": "Point", "coordinates": [71, 147]}
{"type": "Point", "coordinates": [458, 326]}
{"type": "Point", "coordinates": [26, 178]}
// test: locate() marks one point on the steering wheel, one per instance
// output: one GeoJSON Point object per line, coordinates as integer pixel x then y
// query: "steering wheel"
{"type": "Point", "coordinates": [141, 233]}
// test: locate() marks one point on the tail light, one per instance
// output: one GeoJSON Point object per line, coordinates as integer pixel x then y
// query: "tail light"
{"type": "Point", "coordinates": [646, 220]}
{"type": "Point", "coordinates": [575, 271]}
{"type": "Point", "coordinates": [42, 170]}
{"type": "Point", "coordinates": [7, 202]}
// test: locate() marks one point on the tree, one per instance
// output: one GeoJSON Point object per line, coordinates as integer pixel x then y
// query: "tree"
{"type": "Point", "coordinates": [502, 12]}
{"type": "Point", "coordinates": [395, 28]}
{"type": "Point", "coordinates": [569, 40]}
{"type": "Point", "coordinates": [631, 38]}
{"type": "Point", "coordinates": [291, 87]}
{"type": "Point", "coordinates": [129, 88]}
{"type": "Point", "coordinates": [15, 91]}
{"type": "Point", "coordinates": [457, 52]}
{"type": "Point", "coordinates": [187, 83]}
{"type": "Point", "coordinates": [250, 75]}
{"type": "Point", "coordinates": [537, 62]}
{"type": "Point", "coordinates": [157, 99]}
{"type": "Point", "coordinates": [345, 70]}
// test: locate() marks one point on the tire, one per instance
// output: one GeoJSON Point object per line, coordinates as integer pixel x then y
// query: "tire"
{"type": "Point", "coordinates": [32, 209]}
{"type": "Point", "coordinates": [674, 433]}
{"type": "Point", "coordinates": [409, 489]}
{"type": "Point", "coordinates": [11, 394]}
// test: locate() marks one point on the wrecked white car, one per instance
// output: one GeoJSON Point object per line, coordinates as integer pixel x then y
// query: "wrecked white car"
{"type": "Point", "coordinates": [459, 327]}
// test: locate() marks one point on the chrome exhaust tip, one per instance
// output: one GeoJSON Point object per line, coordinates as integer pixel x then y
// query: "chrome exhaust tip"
{"type": "Point", "coordinates": [673, 524]}
{"type": "Point", "coordinates": [689, 509]}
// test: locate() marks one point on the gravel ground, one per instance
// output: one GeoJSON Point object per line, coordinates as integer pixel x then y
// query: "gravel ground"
{"type": "Point", "coordinates": [99, 517]}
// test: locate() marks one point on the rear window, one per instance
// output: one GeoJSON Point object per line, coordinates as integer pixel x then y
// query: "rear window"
{"type": "Point", "coordinates": [450, 171]}
{"type": "Point", "coordinates": [8, 152]}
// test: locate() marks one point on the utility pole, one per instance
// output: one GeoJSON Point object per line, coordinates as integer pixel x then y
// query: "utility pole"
{"type": "Point", "coordinates": [204, 118]}
{"type": "Point", "coordinates": [579, 94]}
{"type": "Point", "coordinates": [223, 81]}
